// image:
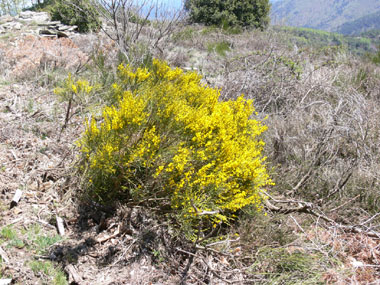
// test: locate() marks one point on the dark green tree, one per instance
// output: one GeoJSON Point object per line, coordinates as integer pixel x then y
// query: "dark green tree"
{"type": "Point", "coordinates": [244, 13]}
{"type": "Point", "coordinates": [76, 12]}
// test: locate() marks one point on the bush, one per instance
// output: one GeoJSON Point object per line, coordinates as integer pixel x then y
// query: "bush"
{"type": "Point", "coordinates": [245, 13]}
{"type": "Point", "coordinates": [169, 139]}
{"type": "Point", "coordinates": [77, 12]}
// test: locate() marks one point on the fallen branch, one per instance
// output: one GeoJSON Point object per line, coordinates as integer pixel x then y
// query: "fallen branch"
{"type": "Point", "coordinates": [61, 228]}
{"type": "Point", "coordinates": [16, 198]}
{"type": "Point", "coordinates": [73, 274]}
{"type": "Point", "coordinates": [309, 208]}
{"type": "Point", "coordinates": [4, 255]}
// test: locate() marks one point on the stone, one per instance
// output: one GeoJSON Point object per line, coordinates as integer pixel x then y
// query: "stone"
{"type": "Point", "coordinates": [12, 26]}
{"type": "Point", "coordinates": [72, 28]}
{"type": "Point", "coordinates": [41, 19]}
{"type": "Point", "coordinates": [47, 32]}
{"type": "Point", "coordinates": [38, 17]}
{"type": "Point", "coordinates": [6, 19]}
{"type": "Point", "coordinates": [62, 34]}
{"type": "Point", "coordinates": [50, 23]}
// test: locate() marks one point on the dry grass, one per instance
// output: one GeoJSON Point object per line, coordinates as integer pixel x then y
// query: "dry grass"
{"type": "Point", "coordinates": [322, 116]}
{"type": "Point", "coordinates": [322, 146]}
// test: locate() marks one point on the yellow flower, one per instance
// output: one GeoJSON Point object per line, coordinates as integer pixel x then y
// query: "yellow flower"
{"type": "Point", "coordinates": [168, 133]}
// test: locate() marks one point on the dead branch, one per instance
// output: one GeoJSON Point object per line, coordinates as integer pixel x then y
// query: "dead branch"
{"type": "Point", "coordinates": [310, 208]}
{"type": "Point", "coordinates": [4, 255]}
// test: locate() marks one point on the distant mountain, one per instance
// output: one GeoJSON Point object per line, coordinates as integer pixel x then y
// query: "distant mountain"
{"type": "Point", "coordinates": [328, 15]}
{"type": "Point", "coordinates": [363, 24]}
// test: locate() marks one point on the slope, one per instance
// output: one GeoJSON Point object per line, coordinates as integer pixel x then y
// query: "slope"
{"type": "Point", "coordinates": [363, 24]}
{"type": "Point", "coordinates": [324, 14]}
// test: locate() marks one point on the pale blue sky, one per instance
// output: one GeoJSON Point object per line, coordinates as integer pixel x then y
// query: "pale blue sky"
{"type": "Point", "coordinates": [172, 3]}
{"type": "Point", "coordinates": [178, 3]}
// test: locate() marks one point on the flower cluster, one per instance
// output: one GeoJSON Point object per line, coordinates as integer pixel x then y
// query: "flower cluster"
{"type": "Point", "coordinates": [169, 137]}
{"type": "Point", "coordinates": [80, 86]}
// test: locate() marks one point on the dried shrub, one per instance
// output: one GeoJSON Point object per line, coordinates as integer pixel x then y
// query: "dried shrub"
{"type": "Point", "coordinates": [35, 54]}
{"type": "Point", "coordinates": [322, 107]}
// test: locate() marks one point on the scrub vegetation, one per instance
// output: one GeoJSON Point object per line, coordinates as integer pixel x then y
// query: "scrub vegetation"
{"type": "Point", "coordinates": [180, 153]}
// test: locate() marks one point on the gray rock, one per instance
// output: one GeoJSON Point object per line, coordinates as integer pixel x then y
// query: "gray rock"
{"type": "Point", "coordinates": [12, 26]}
{"type": "Point", "coordinates": [6, 19]}
{"type": "Point", "coordinates": [62, 34]}
{"type": "Point", "coordinates": [50, 23]}
{"type": "Point", "coordinates": [38, 17]}
{"type": "Point", "coordinates": [72, 28]}
{"type": "Point", "coordinates": [47, 32]}
{"type": "Point", "coordinates": [48, 28]}
{"type": "Point", "coordinates": [63, 28]}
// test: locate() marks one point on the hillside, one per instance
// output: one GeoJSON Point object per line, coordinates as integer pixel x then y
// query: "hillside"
{"type": "Point", "coordinates": [363, 24]}
{"type": "Point", "coordinates": [317, 109]}
{"type": "Point", "coordinates": [326, 14]}
{"type": "Point", "coordinates": [367, 43]}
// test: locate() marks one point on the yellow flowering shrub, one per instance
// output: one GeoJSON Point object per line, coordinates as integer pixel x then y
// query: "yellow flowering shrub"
{"type": "Point", "coordinates": [170, 140]}
{"type": "Point", "coordinates": [71, 87]}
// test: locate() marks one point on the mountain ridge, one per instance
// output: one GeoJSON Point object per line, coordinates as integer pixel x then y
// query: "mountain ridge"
{"type": "Point", "coordinates": [325, 14]}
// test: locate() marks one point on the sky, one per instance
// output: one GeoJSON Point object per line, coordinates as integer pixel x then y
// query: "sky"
{"type": "Point", "coordinates": [178, 3]}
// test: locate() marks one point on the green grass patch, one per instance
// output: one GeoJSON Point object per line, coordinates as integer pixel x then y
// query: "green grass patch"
{"type": "Point", "coordinates": [42, 243]}
{"type": "Point", "coordinates": [8, 233]}
{"type": "Point", "coordinates": [221, 48]}
{"type": "Point", "coordinates": [38, 241]}
{"type": "Point", "coordinates": [320, 39]}
{"type": "Point", "coordinates": [11, 237]}
{"type": "Point", "coordinates": [49, 273]}
{"type": "Point", "coordinates": [279, 266]}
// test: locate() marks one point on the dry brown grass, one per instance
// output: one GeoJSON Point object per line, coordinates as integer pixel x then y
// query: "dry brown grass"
{"type": "Point", "coordinates": [322, 146]}
{"type": "Point", "coordinates": [322, 109]}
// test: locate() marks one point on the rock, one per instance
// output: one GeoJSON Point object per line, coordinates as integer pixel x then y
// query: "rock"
{"type": "Point", "coordinates": [73, 28]}
{"type": "Point", "coordinates": [47, 33]}
{"type": "Point", "coordinates": [62, 34]}
{"type": "Point", "coordinates": [50, 23]}
{"type": "Point", "coordinates": [5, 281]}
{"type": "Point", "coordinates": [49, 28]}
{"type": "Point", "coordinates": [6, 19]}
{"type": "Point", "coordinates": [38, 17]}
{"type": "Point", "coordinates": [12, 26]}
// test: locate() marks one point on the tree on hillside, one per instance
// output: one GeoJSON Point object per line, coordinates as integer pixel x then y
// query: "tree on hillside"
{"type": "Point", "coordinates": [245, 13]}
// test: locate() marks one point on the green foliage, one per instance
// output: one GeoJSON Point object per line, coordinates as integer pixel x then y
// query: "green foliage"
{"type": "Point", "coordinates": [70, 89]}
{"type": "Point", "coordinates": [321, 39]}
{"type": "Point", "coordinates": [225, 13]}
{"type": "Point", "coordinates": [169, 139]}
{"type": "Point", "coordinates": [42, 243]}
{"type": "Point", "coordinates": [281, 266]}
{"type": "Point", "coordinates": [221, 48]}
{"type": "Point", "coordinates": [11, 236]}
{"type": "Point", "coordinates": [77, 12]}
{"type": "Point", "coordinates": [184, 34]}
{"type": "Point", "coordinates": [376, 57]}
{"type": "Point", "coordinates": [8, 233]}
{"type": "Point", "coordinates": [38, 241]}
{"type": "Point", "coordinates": [294, 67]}
{"type": "Point", "coordinates": [48, 272]}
